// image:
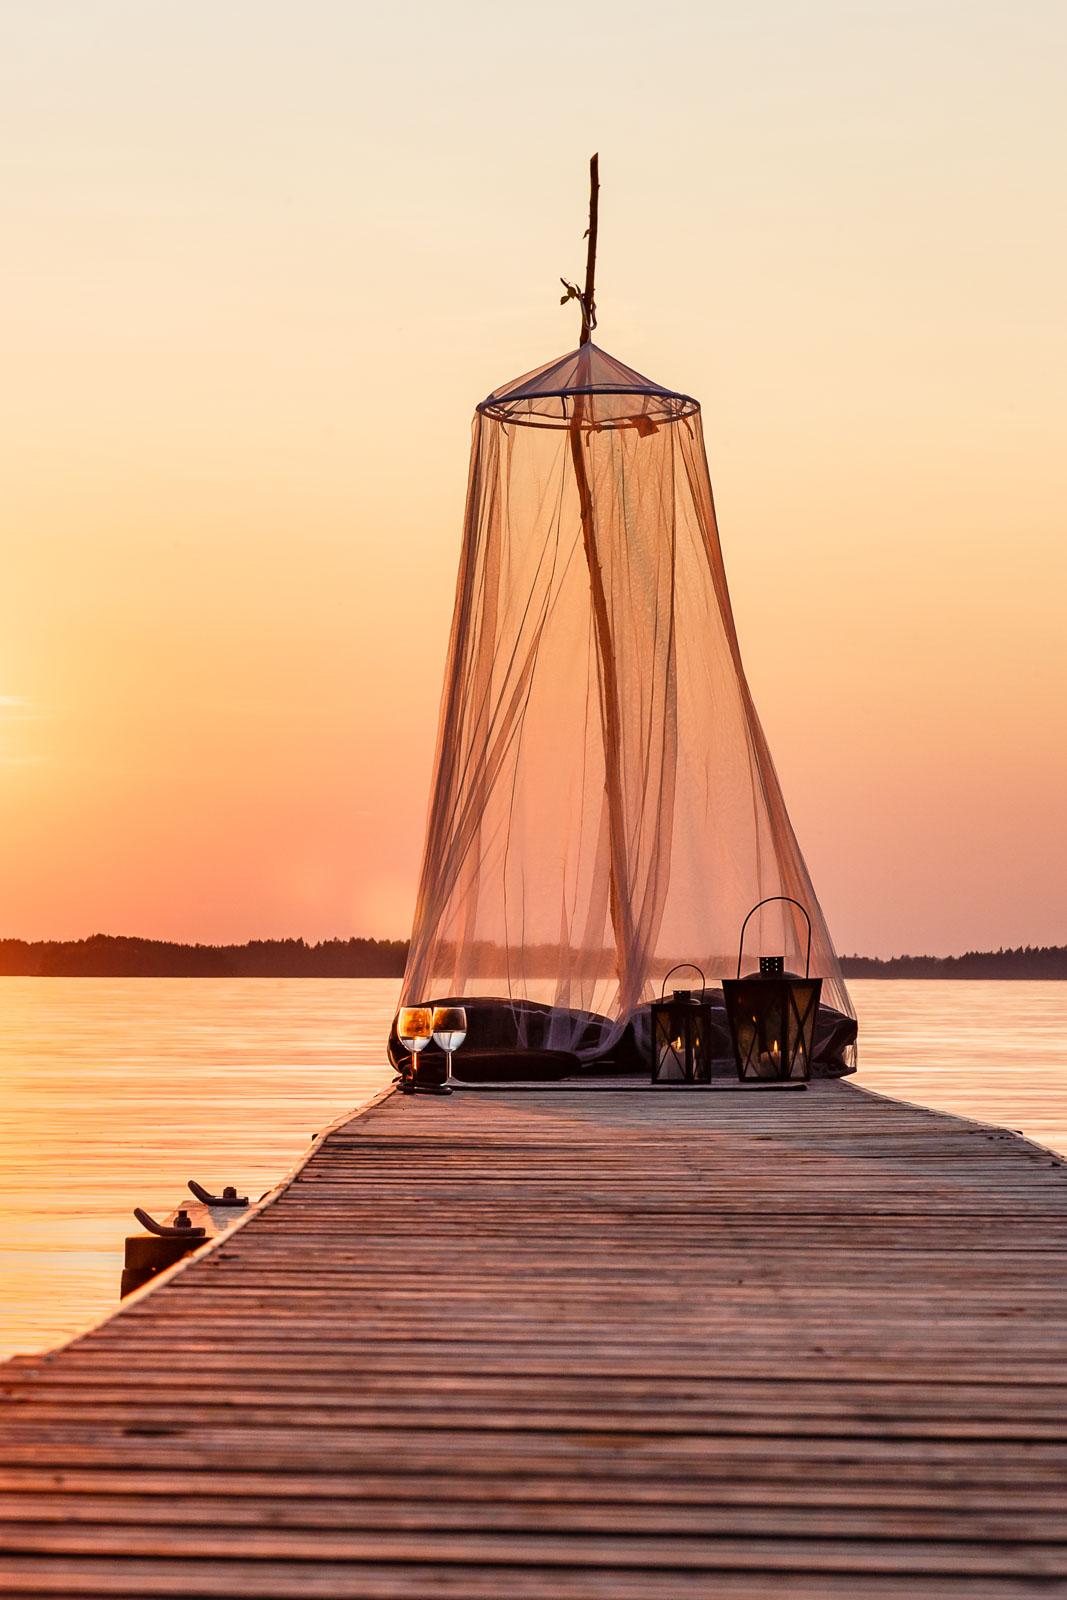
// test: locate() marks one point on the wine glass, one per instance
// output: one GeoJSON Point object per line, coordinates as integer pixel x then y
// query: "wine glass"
{"type": "Point", "coordinates": [414, 1025]}
{"type": "Point", "coordinates": [449, 1032]}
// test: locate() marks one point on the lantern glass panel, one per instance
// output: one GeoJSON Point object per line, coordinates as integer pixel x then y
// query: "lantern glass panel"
{"type": "Point", "coordinates": [681, 1040]}
{"type": "Point", "coordinates": [772, 1020]}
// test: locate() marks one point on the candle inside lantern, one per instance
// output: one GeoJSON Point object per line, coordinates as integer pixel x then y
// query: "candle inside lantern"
{"type": "Point", "coordinates": [771, 1060]}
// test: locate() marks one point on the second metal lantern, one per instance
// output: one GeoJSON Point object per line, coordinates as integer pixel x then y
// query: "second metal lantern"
{"type": "Point", "coordinates": [772, 1013]}
{"type": "Point", "coordinates": [682, 1034]}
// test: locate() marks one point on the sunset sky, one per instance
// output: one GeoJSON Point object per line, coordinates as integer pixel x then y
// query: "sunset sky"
{"type": "Point", "coordinates": [262, 259]}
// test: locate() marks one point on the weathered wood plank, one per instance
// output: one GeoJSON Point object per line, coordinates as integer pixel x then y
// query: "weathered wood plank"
{"type": "Point", "coordinates": [207, 1580]}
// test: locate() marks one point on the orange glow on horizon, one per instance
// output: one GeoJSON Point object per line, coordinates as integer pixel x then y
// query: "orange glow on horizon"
{"type": "Point", "coordinates": [257, 279]}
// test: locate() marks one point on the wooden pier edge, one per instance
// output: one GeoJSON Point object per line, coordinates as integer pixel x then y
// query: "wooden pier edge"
{"type": "Point", "coordinates": [552, 1346]}
{"type": "Point", "coordinates": [968, 1122]}
{"type": "Point", "coordinates": [254, 1210]}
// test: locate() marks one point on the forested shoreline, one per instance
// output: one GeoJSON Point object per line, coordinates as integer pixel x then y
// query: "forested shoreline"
{"type": "Point", "coordinates": [113, 956]}
{"type": "Point", "coordinates": [1025, 961]}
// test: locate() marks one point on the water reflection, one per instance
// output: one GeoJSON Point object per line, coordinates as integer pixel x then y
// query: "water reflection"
{"type": "Point", "coordinates": [118, 1090]}
{"type": "Point", "coordinates": [993, 1051]}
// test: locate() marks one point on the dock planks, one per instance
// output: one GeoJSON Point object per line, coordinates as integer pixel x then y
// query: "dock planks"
{"type": "Point", "coordinates": [573, 1342]}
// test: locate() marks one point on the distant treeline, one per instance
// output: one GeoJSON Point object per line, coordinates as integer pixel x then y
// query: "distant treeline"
{"type": "Point", "coordinates": [1028, 961]}
{"type": "Point", "coordinates": [107, 956]}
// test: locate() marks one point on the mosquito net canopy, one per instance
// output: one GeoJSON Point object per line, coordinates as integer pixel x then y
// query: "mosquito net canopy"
{"type": "Point", "coordinates": [604, 803]}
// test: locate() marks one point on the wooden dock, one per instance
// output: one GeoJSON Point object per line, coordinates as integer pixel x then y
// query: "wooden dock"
{"type": "Point", "coordinates": [572, 1342]}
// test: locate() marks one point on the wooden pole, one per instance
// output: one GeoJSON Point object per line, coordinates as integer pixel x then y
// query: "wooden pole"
{"type": "Point", "coordinates": [589, 295]}
{"type": "Point", "coordinates": [619, 894]}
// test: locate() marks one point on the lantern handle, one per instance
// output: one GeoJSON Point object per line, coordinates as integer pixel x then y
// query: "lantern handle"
{"type": "Point", "coordinates": [788, 898]}
{"type": "Point", "coordinates": [678, 968]}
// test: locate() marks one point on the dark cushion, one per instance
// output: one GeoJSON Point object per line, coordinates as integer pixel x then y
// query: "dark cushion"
{"type": "Point", "coordinates": [500, 1066]}
{"type": "Point", "coordinates": [509, 1025]}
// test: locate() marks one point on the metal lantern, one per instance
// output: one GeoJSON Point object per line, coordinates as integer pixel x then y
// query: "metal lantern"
{"type": "Point", "coordinates": [772, 1013]}
{"type": "Point", "coordinates": [682, 1034]}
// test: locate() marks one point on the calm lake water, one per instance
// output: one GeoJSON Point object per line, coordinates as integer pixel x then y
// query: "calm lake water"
{"type": "Point", "coordinates": [114, 1092]}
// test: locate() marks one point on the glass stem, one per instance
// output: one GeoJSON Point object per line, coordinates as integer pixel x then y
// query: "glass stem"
{"type": "Point", "coordinates": [448, 1066]}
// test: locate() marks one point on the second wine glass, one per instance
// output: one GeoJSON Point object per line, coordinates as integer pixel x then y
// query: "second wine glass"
{"type": "Point", "coordinates": [449, 1032]}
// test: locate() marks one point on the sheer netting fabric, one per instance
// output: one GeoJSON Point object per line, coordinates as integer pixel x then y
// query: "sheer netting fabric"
{"type": "Point", "coordinates": [604, 803]}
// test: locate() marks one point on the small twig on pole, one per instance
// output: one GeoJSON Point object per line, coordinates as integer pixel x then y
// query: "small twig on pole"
{"type": "Point", "coordinates": [586, 297]}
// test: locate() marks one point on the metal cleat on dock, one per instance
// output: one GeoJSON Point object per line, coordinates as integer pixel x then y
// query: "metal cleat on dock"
{"type": "Point", "coordinates": [228, 1197]}
{"type": "Point", "coordinates": [159, 1247]}
{"type": "Point", "coordinates": [181, 1228]}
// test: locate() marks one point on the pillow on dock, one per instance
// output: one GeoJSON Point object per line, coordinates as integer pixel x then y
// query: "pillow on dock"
{"type": "Point", "coordinates": [512, 1066]}
{"type": "Point", "coordinates": [507, 1026]}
